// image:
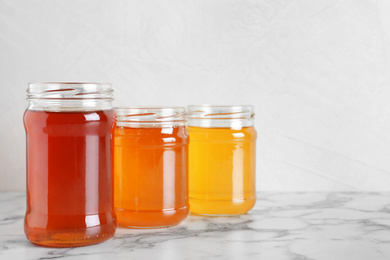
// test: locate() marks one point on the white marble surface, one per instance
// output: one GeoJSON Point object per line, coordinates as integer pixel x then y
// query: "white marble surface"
{"type": "Point", "coordinates": [312, 226]}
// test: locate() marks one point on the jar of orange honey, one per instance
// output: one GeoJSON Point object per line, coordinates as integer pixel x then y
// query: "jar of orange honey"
{"type": "Point", "coordinates": [150, 167]}
{"type": "Point", "coordinates": [69, 129]}
{"type": "Point", "coordinates": [222, 159]}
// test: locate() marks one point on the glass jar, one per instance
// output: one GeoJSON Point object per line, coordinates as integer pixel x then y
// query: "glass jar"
{"type": "Point", "coordinates": [69, 129]}
{"type": "Point", "coordinates": [150, 167]}
{"type": "Point", "coordinates": [222, 164]}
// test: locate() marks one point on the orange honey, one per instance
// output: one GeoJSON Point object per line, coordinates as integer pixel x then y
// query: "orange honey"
{"type": "Point", "coordinates": [150, 176]}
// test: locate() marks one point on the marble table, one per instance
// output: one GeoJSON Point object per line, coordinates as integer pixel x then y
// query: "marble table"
{"type": "Point", "coordinates": [297, 226]}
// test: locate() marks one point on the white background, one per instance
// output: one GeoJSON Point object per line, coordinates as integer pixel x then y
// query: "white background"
{"type": "Point", "coordinates": [316, 71]}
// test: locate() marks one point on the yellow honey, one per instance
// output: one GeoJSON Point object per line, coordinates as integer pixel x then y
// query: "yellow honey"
{"type": "Point", "coordinates": [222, 170]}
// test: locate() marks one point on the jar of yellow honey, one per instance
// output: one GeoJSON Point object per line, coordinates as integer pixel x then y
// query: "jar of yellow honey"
{"type": "Point", "coordinates": [222, 159]}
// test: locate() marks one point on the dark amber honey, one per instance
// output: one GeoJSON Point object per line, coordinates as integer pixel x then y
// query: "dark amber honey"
{"type": "Point", "coordinates": [69, 177]}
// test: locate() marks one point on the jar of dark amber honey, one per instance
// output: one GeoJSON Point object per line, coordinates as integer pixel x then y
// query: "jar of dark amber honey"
{"type": "Point", "coordinates": [69, 129]}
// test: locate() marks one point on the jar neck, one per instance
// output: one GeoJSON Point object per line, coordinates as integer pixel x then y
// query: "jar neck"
{"type": "Point", "coordinates": [150, 117]}
{"type": "Point", "coordinates": [55, 96]}
{"type": "Point", "coordinates": [229, 123]}
{"type": "Point", "coordinates": [69, 105]}
{"type": "Point", "coordinates": [234, 117]}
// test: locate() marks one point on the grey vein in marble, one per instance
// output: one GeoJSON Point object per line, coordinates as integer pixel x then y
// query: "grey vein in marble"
{"type": "Point", "coordinates": [298, 226]}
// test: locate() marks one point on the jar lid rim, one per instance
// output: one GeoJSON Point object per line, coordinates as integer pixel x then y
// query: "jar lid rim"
{"type": "Point", "coordinates": [151, 115]}
{"type": "Point", "coordinates": [134, 108]}
{"type": "Point", "coordinates": [221, 112]}
{"type": "Point", "coordinates": [67, 83]}
{"type": "Point", "coordinates": [69, 90]}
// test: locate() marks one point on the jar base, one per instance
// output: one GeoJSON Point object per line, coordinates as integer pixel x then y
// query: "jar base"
{"type": "Point", "coordinates": [56, 238]}
{"type": "Point", "coordinates": [216, 215]}
{"type": "Point", "coordinates": [151, 219]}
{"type": "Point", "coordinates": [157, 227]}
{"type": "Point", "coordinates": [221, 208]}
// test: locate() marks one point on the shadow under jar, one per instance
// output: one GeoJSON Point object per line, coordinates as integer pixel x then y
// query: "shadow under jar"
{"type": "Point", "coordinates": [151, 147]}
{"type": "Point", "coordinates": [69, 129]}
{"type": "Point", "coordinates": [222, 164]}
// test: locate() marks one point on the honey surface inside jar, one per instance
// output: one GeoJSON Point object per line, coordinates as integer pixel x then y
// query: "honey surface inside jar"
{"type": "Point", "coordinates": [151, 176]}
{"type": "Point", "coordinates": [222, 170]}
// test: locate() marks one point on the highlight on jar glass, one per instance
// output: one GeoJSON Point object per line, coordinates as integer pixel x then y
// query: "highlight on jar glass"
{"type": "Point", "coordinates": [69, 129]}
{"type": "Point", "coordinates": [151, 167]}
{"type": "Point", "coordinates": [222, 159]}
